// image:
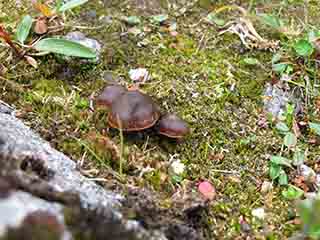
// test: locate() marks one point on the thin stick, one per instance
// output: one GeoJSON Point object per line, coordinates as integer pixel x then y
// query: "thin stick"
{"type": "Point", "coordinates": [224, 171]}
{"type": "Point", "coordinates": [121, 146]}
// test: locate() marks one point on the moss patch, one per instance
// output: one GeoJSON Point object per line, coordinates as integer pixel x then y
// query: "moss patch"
{"type": "Point", "coordinates": [197, 74]}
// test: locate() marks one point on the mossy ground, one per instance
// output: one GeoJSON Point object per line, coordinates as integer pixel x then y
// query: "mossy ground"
{"type": "Point", "coordinates": [199, 75]}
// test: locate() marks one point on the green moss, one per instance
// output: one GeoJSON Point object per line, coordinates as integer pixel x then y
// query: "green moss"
{"type": "Point", "coordinates": [204, 81]}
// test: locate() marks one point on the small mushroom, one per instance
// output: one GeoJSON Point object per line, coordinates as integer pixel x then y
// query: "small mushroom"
{"type": "Point", "coordinates": [109, 94]}
{"type": "Point", "coordinates": [172, 126]}
{"type": "Point", "coordinates": [133, 111]}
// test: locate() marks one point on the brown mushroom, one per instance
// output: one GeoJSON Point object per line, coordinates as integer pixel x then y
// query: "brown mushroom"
{"type": "Point", "coordinates": [109, 94]}
{"type": "Point", "coordinates": [133, 111]}
{"type": "Point", "coordinates": [172, 126]}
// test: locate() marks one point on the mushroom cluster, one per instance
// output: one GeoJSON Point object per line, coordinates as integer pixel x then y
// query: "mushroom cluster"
{"type": "Point", "coordinates": [132, 110]}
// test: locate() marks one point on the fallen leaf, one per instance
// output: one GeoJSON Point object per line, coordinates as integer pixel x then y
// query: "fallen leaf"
{"type": "Point", "coordinates": [44, 9]}
{"type": "Point", "coordinates": [216, 157]}
{"type": "Point", "coordinates": [207, 190]}
{"type": "Point", "coordinates": [5, 35]}
{"type": "Point", "coordinates": [300, 182]}
{"type": "Point", "coordinates": [41, 26]}
{"type": "Point", "coordinates": [105, 142]}
{"type": "Point", "coordinates": [31, 61]}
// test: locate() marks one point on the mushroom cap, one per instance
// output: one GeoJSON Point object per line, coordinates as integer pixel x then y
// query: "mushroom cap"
{"type": "Point", "coordinates": [133, 111]}
{"type": "Point", "coordinates": [172, 126]}
{"type": "Point", "coordinates": [109, 94]}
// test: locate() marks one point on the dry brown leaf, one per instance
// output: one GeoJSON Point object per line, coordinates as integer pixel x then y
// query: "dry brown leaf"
{"type": "Point", "coordinates": [31, 61]}
{"type": "Point", "coordinates": [41, 26]}
{"type": "Point", "coordinates": [207, 190]}
{"type": "Point", "coordinates": [295, 128]}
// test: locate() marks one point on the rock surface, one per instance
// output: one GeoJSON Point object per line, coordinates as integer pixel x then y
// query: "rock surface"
{"type": "Point", "coordinates": [40, 186]}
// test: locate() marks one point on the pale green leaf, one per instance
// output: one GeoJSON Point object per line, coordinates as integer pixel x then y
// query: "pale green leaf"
{"type": "Point", "coordinates": [271, 20]}
{"type": "Point", "coordinates": [71, 4]}
{"type": "Point", "coordinates": [65, 47]}
{"type": "Point", "coordinates": [290, 140]}
{"type": "Point", "coordinates": [282, 127]}
{"type": "Point", "coordinates": [298, 158]}
{"type": "Point", "coordinates": [23, 28]}
{"type": "Point", "coordinates": [279, 67]}
{"type": "Point", "coordinates": [280, 161]}
{"type": "Point", "coordinates": [283, 178]}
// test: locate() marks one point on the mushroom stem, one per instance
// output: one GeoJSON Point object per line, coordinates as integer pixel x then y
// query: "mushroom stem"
{"type": "Point", "coordinates": [121, 145]}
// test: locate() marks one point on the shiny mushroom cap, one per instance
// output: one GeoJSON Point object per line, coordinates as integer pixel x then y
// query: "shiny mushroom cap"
{"type": "Point", "coordinates": [172, 126]}
{"type": "Point", "coordinates": [109, 94]}
{"type": "Point", "coordinates": [133, 111]}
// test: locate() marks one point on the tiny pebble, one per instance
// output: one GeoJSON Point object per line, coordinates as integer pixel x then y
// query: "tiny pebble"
{"type": "Point", "coordinates": [139, 75]}
{"type": "Point", "coordinates": [259, 213]}
{"type": "Point", "coordinates": [177, 167]}
{"type": "Point", "coordinates": [266, 187]}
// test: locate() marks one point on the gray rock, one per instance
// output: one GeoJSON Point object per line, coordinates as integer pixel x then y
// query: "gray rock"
{"type": "Point", "coordinates": [5, 108]}
{"type": "Point", "coordinates": [25, 192]}
{"type": "Point", "coordinates": [23, 142]}
{"type": "Point", "coordinates": [276, 98]}
{"type": "Point", "coordinates": [20, 204]}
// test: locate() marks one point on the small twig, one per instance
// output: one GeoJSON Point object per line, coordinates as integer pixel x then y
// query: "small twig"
{"type": "Point", "coordinates": [224, 171]}
{"type": "Point", "coordinates": [200, 43]}
{"type": "Point", "coordinates": [98, 179]}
